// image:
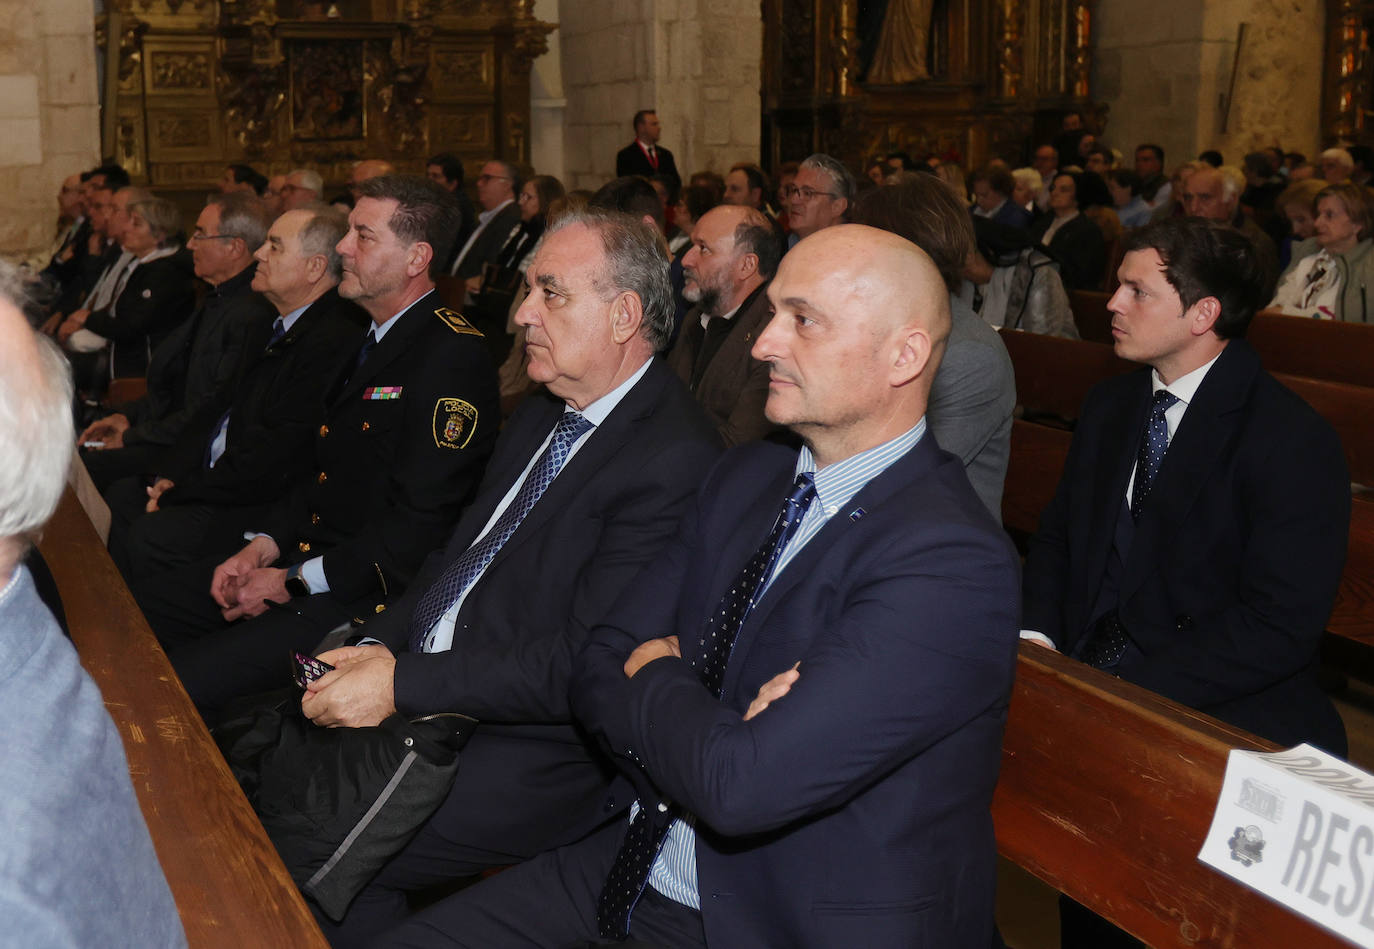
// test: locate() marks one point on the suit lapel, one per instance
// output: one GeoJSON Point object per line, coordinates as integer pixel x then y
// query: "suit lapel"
{"type": "Point", "coordinates": [741, 337]}
{"type": "Point", "coordinates": [603, 444]}
{"type": "Point", "coordinates": [1206, 429]}
{"type": "Point", "coordinates": [392, 345]}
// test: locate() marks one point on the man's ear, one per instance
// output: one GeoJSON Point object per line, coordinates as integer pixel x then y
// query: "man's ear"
{"type": "Point", "coordinates": [1203, 315]}
{"type": "Point", "coordinates": [912, 356]}
{"type": "Point", "coordinates": [418, 258]}
{"type": "Point", "coordinates": [627, 314]}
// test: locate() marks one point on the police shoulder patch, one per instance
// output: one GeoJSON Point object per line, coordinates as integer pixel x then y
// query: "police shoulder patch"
{"type": "Point", "coordinates": [454, 423]}
{"type": "Point", "coordinates": [454, 321]}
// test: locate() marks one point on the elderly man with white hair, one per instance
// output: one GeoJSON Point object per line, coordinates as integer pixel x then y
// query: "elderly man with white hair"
{"type": "Point", "coordinates": [303, 188]}
{"type": "Point", "coordinates": [79, 865]}
{"type": "Point", "coordinates": [1214, 194]}
{"type": "Point", "coordinates": [1337, 165]}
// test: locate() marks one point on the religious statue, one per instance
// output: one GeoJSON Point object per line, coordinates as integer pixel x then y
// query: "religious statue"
{"type": "Point", "coordinates": [902, 43]}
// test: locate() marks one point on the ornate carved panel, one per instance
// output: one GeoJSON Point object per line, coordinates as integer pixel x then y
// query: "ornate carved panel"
{"type": "Point", "coordinates": [1348, 75]}
{"type": "Point", "coordinates": [289, 83]}
{"type": "Point", "coordinates": [992, 65]}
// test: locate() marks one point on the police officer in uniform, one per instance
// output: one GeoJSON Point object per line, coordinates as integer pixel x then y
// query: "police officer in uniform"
{"type": "Point", "coordinates": [408, 427]}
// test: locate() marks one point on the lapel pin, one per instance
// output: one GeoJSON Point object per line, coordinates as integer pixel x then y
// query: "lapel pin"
{"type": "Point", "coordinates": [857, 513]}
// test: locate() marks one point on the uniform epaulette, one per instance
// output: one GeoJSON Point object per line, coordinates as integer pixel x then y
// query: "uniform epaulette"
{"type": "Point", "coordinates": [455, 321]}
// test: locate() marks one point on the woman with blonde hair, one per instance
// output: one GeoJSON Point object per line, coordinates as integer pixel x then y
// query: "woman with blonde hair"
{"type": "Point", "coordinates": [1333, 271]}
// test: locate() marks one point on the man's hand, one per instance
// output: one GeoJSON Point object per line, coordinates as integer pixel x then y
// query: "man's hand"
{"type": "Point", "coordinates": [772, 690]}
{"type": "Point", "coordinates": [71, 324]}
{"type": "Point", "coordinates": [261, 551]}
{"type": "Point", "coordinates": [109, 430]}
{"type": "Point", "coordinates": [359, 692]}
{"type": "Point", "coordinates": [155, 491]}
{"type": "Point", "coordinates": [647, 652]}
{"type": "Point", "coordinates": [253, 591]}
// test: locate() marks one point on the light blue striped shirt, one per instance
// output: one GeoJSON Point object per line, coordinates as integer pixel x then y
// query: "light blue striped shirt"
{"type": "Point", "coordinates": [674, 873]}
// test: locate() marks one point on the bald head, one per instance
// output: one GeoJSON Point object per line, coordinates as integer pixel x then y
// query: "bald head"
{"type": "Point", "coordinates": [36, 433]}
{"type": "Point", "coordinates": [861, 319]}
{"type": "Point", "coordinates": [369, 168]}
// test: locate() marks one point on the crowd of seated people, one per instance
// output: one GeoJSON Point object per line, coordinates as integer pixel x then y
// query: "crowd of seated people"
{"type": "Point", "coordinates": [316, 459]}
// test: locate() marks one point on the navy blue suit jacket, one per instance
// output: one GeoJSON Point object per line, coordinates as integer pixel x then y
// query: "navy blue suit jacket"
{"type": "Point", "coordinates": [1232, 571]}
{"type": "Point", "coordinates": [528, 781]}
{"type": "Point", "coordinates": [854, 810]}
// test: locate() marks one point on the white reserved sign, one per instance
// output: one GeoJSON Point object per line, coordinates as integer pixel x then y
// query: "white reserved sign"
{"type": "Point", "coordinates": [1298, 826]}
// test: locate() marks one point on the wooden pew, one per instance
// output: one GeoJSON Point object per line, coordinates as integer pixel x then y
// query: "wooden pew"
{"type": "Point", "coordinates": [230, 886]}
{"type": "Point", "coordinates": [1317, 349]}
{"type": "Point", "coordinates": [1107, 792]}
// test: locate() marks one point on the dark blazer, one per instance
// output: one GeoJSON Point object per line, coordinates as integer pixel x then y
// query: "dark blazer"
{"type": "Point", "coordinates": [396, 471]}
{"type": "Point", "coordinates": [734, 385]}
{"type": "Point", "coordinates": [1080, 248]}
{"type": "Point", "coordinates": [489, 243]}
{"type": "Point", "coordinates": [274, 403]}
{"type": "Point", "coordinates": [855, 810]}
{"type": "Point", "coordinates": [157, 298]}
{"type": "Point", "coordinates": [631, 160]}
{"type": "Point", "coordinates": [1010, 214]}
{"type": "Point", "coordinates": [1232, 572]}
{"type": "Point", "coordinates": [528, 781]}
{"type": "Point", "coordinates": [200, 356]}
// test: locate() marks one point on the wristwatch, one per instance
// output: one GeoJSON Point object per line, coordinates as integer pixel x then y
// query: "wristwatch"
{"type": "Point", "coordinates": [295, 583]}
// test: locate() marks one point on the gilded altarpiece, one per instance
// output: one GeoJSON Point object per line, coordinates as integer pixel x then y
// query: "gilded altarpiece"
{"type": "Point", "coordinates": [281, 84]}
{"type": "Point", "coordinates": [967, 80]}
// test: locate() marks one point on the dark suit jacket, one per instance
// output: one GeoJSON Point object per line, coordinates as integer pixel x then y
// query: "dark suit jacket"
{"type": "Point", "coordinates": [200, 356]}
{"type": "Point", "coordinates": [855, 810]}
{"type": "Point", "coordinates": [734, 386]}
{"type": "Point", "coordinates": [631, 160]}
{"type": "Point", "coordinates": [1080, 249]}
{"type": "Point", "coordinates": [1232, 571]}
{"type": "Point", "coordinates": [528, 779]}
{"type": "Point", "coordinates": [489, 242]}
{"type": "Point", "coordinates": [276, 401]}
{"type": "Point", "coordinates": [397, 471]}
{"type": "Point", "coordinates": [158, 297]}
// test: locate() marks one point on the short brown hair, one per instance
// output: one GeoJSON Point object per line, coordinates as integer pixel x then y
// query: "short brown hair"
{"type": "Point", "coordinates": [926, 211]}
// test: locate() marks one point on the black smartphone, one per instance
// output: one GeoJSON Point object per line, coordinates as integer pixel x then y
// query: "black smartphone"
{"type": "Point", "coordinates": [306, 669]}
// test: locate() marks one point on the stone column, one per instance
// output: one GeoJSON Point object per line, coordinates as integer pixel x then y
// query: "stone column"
{"type": "Point", "coordinates": [695, 61]}
{"type": "Point", "coordinates": [1163, 68]}
{"type": "Point", "coordinates": [49, 114]}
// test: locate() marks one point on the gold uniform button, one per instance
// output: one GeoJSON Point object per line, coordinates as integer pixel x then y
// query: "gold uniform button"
{"type": "Point", "coordinates": [324, 430]}
{"type": "Point", "coordinates": [380, 608]}
{"type": "Point", "coordinates": [304, 547]}
{"type": "Point", "coordinates": [366, 426]}
{"type": "Point", "coordinates": [323, 477]}
{"type": "Point", "coordinates": [314, 518]}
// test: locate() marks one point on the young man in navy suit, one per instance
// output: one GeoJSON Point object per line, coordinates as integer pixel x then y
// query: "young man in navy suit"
{"type": "Point", "coordinates": [1197, 537]}
{"type": "Point", "coordinates": [805, 694]}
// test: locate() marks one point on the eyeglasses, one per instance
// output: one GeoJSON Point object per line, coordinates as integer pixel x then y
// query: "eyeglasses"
{"type": "Point", "coordinates": [199, 236]}
{"type": "Point", "coordinates": [806, 194]}
{"type": "Point", "coordinates": [493, 178]}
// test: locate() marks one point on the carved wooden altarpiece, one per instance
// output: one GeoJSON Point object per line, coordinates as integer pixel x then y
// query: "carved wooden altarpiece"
{"type": "Point", "coordinates": [283, 84]}
{"type": "Point", "coordinates": [1001, 73]}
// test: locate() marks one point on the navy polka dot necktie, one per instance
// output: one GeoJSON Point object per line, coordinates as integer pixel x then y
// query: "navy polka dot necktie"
{"type": "Point", "coordinates": [1152, 447]}
{"type": "Point", "coordinates": [635, 859]}
{"type": "Point", "coordinates": [464, 571]}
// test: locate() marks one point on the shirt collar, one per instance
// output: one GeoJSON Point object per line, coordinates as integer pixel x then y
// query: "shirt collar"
{"type": "Point", "coordinates": [706, 317]}
{"type": "Point", "coordinates": [837, 483]}
{"type": "Point", "coordinates": [288, 320]}
{"type": "Point", "coordinates": [379, 331]}
{"type": "Point", "coordinates": [1185, 386]}
{"type": "Point", "coordinates": [485, 216]}
{"type": "Point", "coordinates": [600, 410]}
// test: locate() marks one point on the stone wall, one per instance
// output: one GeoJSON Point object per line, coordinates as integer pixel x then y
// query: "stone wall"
{"type": "Point", "coordinates": [49, 114]}
{"type": "Point", "coordinates": [1163, 68]}
{"type": "Point", "coordinates": [695, 61]}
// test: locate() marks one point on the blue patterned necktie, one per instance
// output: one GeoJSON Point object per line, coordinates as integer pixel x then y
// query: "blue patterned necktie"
{"type": "Point", "coordinates": [278, 331]}
{"type": "Point", "coordinates": [1152, 448]}
{"type": "Point", "coordinates": [635, 859]}
{"type": "Point", "coordinates": [462, 572]}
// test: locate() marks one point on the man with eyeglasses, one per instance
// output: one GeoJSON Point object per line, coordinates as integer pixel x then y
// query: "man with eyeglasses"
{"type": "Point", "coordinates": [303, 188]}
{"type": "Point", "coordinates": [201, 355]}
{"type": "Point", "coordinates": [818, 197]}
{"type": "Point", "coordinates": [497, 187]}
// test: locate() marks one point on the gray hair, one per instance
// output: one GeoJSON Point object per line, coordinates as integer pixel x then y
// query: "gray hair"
{"type": "Point", "coordinates": [836, 171]}
{"type": "Point", "coordinates": [1339, 155]}
{"type": "Point", "coordinates": [36, 430]}
{"type": "Point", "coordinates": [162, 217]}
{"type": "Point", "coordinates": [1028, 177]}
{"type": "Point", "coordinates": [635, 263]}
{"type": "Point", "coordinates": [244, 216]}
{"type": "Point", "coordinates": [309, 179]}
{"type": "Point", "coordinates": [326, 227]}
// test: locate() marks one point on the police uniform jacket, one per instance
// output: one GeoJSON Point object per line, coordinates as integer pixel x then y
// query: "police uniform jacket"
{"type": "Point", "coordinates": [404, 441]}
